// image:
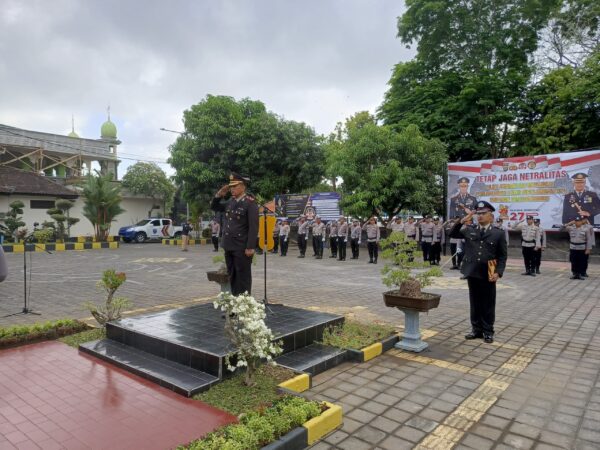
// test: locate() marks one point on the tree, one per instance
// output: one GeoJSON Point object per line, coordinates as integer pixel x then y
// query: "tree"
{"type": "Point", "coordinates": [12, 220]}
{"type": "Point", "coordinates": [60, 214]}
{"type": "Point", "coordinates": [385, 171]}
{"type": "Point", "coordinates": [149, 180]}
{"type": "Point", "coordinates": [562, 111]}
{"type": "Point", "coordinates": [102, 203]}
{"type": "Point", "coordinates": [472, 65]}
{"type": "Point", "coordinates": [224, 135]}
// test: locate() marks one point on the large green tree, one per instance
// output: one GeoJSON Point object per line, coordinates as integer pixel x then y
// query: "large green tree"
{"type": "Point", "coordinates": [223, 135]}
{"type": "Point", "coordinates": [472, 65]}
{"type": "Point", "coordinates": [385, 171]}
{"type": "Point", "coordinates": [562, 111]}
{"type": "Point", "coordinates": [146, 178]}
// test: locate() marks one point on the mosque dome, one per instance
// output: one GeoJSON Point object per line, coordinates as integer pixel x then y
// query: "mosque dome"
{"type": "Point", "coordinates": [73, 134]}
{"type": "Point", "coordinates": [108, 130]}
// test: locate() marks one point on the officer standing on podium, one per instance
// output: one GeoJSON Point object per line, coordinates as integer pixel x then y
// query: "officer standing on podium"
{"type": "Point", "coordinates": [240, 228]}
{"type": "Point", "coordinates": [483, 264]}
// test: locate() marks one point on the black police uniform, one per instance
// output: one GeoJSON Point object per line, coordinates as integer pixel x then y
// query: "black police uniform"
{"type": "Point", "coordinates": [575, 202]}
{"type": "Point", "coordinates": [240, 229]}
{"type": "Point", "coordinates": [481, 247]}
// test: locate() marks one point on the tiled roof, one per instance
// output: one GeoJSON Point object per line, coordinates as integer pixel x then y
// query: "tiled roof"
{"type": "Point", "coordinates": [16, 181]}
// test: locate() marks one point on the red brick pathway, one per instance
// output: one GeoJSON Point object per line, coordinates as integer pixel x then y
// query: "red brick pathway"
{"type": "Point", "coordinates": [52, 397]}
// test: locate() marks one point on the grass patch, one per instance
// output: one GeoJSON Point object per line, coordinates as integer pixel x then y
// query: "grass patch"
{"type": "Point", "coordinates": [259, 428]}
{"type": "Point", "coordinates": [233, 396]}
{"type": "Point", "coordinates": [23, 334]}
{"type": "Point", "coordinates": [85, 336]}
{"type": "Point", "coordinates": [356, 335]}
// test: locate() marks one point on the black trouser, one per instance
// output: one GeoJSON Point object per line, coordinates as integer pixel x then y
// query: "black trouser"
{"type": "Point", "coordinates": [578, 261]}
{"type": "Point", "coordinates": [317, 242]}
{"type": "Point", "coordinates": [341, 244]}
{"type": "Point", "coordinates": [275, 243]}
{"type": "Point", "coordinates": [314, 244]}
{"type": "Point", "coordinates": [482, 301]}
{"type": "Point", "coordinates": [333, 244]}
{"type": "Point", "coordinates": [426, 249]}
{"type": "Point", "coordinates": [215, 242]}
{"type": "Point", "coordinates": [585, 265]}
{"type": "Point", "coordinates": [283, 245]}
{"type": "Point", "coordinates": [239, 268]}
{"type": "Point", "coordinates": [354, 247]}
{"type": "Point", "coordinates": [537, 259]}
{"type": "Point", "coordinates": [373, 251]}
{"type": "Point", "coordinates": [528, 258]}
{"type": "Point", "coordinates": [436, 252]}
{"type": "Point", "coordinates": [456, 257]}
{"type": "Point", "coordinates": [302, 243]}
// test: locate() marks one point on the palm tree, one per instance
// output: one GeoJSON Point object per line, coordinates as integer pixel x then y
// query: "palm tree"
{"type": "Point", "coordinates": [102, 203]}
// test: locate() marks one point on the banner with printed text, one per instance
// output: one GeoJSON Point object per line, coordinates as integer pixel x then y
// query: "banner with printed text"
{"type": "Point", "coordinates": [555, 188]}
{"type": "Point", "coordinates": [324, 204]}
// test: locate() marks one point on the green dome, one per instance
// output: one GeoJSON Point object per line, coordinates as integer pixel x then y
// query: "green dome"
{"type": "Point", "coordinates": [73, 134]}
{"type": "Point", "coordinates": [108, 130]}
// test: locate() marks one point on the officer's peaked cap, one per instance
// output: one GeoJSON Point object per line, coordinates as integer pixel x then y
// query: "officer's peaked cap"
{"type": "Point", "coordinates": [580, 176]}
{"type": "Point", "coordinates": [578, 217]}
{"type": "Point", "coordinates": [536, 220]}
{"type": "Point", "coordinates": [236, 178]}
{"type": "Point", "coordinates": [463, 180]}
{"type": "Point", "coordinates": [529, 217]}
{"type": "Point", "coordinates": [483, 206]}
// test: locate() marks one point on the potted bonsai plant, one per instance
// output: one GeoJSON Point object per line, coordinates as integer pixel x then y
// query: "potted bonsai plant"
{"type": "Point", "coordinates": [220, 275]}
{"type": "Point", "coordinates": [407, 274]}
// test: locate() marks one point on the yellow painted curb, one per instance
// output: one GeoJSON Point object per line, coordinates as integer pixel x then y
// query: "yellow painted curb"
{"type": "Point", "coordinates": [113, 244]}
{"type": "Point", "coordinates": [40, 247]}
{"type": "Point", "coordinates": [299, 383]}
{"type": "Point", "coordinates": [325, 423]}
{"type": "Point", "coordinates": [59, 247]}
{"type": "Point", "coordinates": [96, 245]}
{"type": "Point", "coordinates": [78, 245]}
{"type": "Point", "coordinates": [372, 351]}
{"type": "Point", "coordinates": [81, 238]}
{"type": "Point", "coordinates": [18, 248]}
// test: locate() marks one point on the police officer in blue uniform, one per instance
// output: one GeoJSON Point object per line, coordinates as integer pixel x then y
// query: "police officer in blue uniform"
{"type": "Point", "coordinates": [483, 243]}
{"type": "Point", "coordinates": [463, 200]}
{"type": "Point", "coordinates": [580, 202]}
{"type": "Point", "coordinates": [240, 229]}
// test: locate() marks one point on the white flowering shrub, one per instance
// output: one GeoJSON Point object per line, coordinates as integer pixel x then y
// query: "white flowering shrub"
{"type": "Point", "coordinates": [246, 329]}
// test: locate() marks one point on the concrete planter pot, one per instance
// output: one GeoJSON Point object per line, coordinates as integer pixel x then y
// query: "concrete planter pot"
{"type": "Point", "coordinates": [411, 307]}
{"type": "Point", "coordinates": [219, 277]}
{"type": "Point", "coordinates": [423, 303]}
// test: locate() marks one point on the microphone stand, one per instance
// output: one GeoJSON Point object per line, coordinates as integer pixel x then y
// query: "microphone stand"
{"type": "Point", "coordinates": [26, 309]}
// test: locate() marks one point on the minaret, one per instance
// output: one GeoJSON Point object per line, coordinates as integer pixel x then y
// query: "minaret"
{"type": "Point", "coordinates": [108, 132]}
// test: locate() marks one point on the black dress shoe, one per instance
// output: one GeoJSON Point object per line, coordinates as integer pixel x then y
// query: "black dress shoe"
{"type": "Point", "coordinates": [584, 275]}
{"type": "Point", "coordinates": [488, 338]}
{"type": "Point", "coordinates": [375, 262]}
{"type": "Point", "coordinates": [532, 274]}
{"type": "Point", "coordinates": [370, 261]}
{"type": "Point", "coordinates": [537, 271]}
{"type": "Point", "coordinates": [526, 273]}
{"type": "Point", "coordinates": [577, 277]}
{"type": "Point", "coordinates": [473, 335]}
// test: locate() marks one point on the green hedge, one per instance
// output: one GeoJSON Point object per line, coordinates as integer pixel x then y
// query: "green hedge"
{"type": "Point", "coordinates": [21, 334]}
{"type": "Point", "coordinates": [259, 428]}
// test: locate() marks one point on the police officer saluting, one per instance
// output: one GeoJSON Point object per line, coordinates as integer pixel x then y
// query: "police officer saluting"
{"type": "Point", "coordinates": [537, 256]}
{"type": "Point", "coordinates": [355, 235]}
{"type": "Point", "coordinates": [483, 264]}
{"type": "Point", "coordinates": [240, 229]}
{"type": "Point", "coordinates": [302, 235]}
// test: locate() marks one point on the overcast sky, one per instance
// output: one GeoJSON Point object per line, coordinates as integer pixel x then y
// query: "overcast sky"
{"type": "Point", "coordinates": [315, 61]}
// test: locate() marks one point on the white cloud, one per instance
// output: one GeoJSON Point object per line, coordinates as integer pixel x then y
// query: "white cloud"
{"type": "Point", "coordinates": [312, 61]}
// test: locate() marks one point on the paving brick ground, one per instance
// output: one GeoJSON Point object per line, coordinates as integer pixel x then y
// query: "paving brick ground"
{"type": "Point", "coordinates": [537, 386]}
{"type": "Point", "coordinates": [52, 397]}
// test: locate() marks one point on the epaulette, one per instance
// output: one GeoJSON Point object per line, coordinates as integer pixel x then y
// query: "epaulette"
{"type": "Point", "coordinates": [250, 197]}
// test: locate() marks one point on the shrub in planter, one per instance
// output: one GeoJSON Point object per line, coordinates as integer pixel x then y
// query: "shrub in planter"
{"type": "Point", "coordinates": [44, 235]}
{"type": "Point", "coordinates": [403, 269]}
{"type": "Point", "coordinates": [17, 334]}
{"type": "Point", "coordinates": [112, 308]}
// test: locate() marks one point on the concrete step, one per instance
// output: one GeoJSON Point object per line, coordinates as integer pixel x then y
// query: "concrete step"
{"type": "Point", "coordinates": [314, 358]}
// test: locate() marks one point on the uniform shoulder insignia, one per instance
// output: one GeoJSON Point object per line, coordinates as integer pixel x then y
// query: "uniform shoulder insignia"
{"type": "Point", "coordinates": [250, 198]}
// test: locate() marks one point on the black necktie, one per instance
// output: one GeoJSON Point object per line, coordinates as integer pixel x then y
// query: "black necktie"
{"type": "Point", "coordinates": [481, 231]}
